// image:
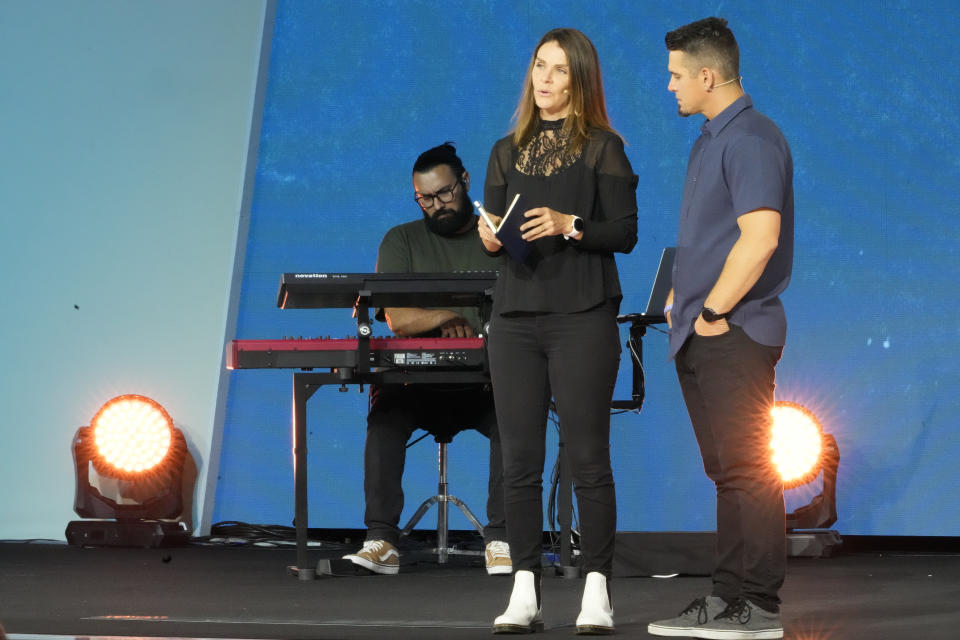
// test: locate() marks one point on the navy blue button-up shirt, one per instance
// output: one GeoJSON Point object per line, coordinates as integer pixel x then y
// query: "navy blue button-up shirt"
{"type": "Point", "coordinates": [740, 163]}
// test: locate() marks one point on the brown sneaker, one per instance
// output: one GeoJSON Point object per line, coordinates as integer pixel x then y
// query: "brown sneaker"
{"type": "Point", "coordinates": [378, 556]}
{"type": "Point", "coordinates": [498, 558]}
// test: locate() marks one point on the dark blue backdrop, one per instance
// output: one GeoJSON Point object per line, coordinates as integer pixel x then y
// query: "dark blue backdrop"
{"type": "Point", "coordinates": [862, 94]}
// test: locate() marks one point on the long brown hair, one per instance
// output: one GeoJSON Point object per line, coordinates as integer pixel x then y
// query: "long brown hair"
{"type": "Point", "coordinates": [588, 107]}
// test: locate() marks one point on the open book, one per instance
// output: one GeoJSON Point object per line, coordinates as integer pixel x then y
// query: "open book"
{"type": "Point", "coordinates": [508, 231]}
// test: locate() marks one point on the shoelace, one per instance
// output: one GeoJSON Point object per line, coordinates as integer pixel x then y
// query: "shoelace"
{"type": "Point", "coordinates": [738, 610]}
{"type": "Point", "coordinates": [700, 604]}
{"type": "Point", "coordinates": [498, 549]}
{"type": "Point", "coordinates": [372, 545]}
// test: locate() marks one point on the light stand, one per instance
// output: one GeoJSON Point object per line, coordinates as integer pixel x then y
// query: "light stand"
{"type": "Point", "coordinates": [807, 533]}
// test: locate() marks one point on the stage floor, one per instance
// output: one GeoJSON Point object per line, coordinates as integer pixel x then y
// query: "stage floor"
{"type": "Point", "coordinates": [245, 592]}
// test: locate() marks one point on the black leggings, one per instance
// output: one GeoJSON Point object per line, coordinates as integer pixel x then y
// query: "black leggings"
{"type": "Point", "coordinates": [576, 356]}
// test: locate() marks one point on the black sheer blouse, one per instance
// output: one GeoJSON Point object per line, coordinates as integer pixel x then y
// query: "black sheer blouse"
{"type": "Point", "coordinates": [598, 185]}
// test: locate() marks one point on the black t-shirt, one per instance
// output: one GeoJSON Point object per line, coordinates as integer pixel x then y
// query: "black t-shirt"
{"type": "Point", "coordinates": [599, 186]}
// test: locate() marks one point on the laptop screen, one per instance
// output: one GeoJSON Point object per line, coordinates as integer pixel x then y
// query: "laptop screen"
{"type": "Point", "coordinates": [661, 287]}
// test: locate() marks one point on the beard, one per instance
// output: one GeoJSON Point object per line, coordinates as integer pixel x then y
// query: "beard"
{"type": "Point", "coordinates": [450, 220]}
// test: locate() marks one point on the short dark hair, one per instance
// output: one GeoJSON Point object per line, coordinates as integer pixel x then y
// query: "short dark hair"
{"type": "Point", "coordinates": [445, 153]}
{"type": "Point", "coordinates": [710, 43]}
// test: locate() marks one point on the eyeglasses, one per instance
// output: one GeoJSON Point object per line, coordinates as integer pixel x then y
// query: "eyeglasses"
{"type": "Point", "coordinates": [444, 196]}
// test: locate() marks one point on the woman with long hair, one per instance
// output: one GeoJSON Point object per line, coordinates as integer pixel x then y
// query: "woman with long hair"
{"type": "Point", "coordinates": [553, 332]}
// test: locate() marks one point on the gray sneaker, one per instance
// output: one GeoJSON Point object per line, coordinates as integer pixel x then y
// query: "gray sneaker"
{"type": "Point", "coordinates": [742, 620]}
{"type": "Point", "coordinates": [698, 613]}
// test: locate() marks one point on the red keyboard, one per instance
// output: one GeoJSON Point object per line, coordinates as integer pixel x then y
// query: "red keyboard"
{"type": "Point", "coordinates": [398, 353]}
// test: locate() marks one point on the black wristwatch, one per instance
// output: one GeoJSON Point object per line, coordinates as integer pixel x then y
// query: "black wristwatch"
{"type": "Point", "coordinates": [712, 316]}
{"type": "Point", "coordinates": [577, 225]}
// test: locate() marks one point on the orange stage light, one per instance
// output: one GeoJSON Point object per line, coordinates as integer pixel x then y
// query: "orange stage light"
{"type": "Point", "coordinates": [801, 451]}
{"type": "Point", "coordinates": [132, 435]}
{"type": "Point", "coordinates": [797, 443]}
{"type": "Point", "coordinates": [129, 469]}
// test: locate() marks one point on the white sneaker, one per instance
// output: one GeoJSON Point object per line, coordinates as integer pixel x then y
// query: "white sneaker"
{"type": "Point", "coordinates": [596, 614]}
{"type": "Point", "coordinates": [498, 558]}
{"type": "Point", "coordinates": [523, 614]}
{"type": "Point", "coordinates": [378, 556]}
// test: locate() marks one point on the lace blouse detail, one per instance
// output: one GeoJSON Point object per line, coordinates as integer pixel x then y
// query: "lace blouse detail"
{"type": "Point", "coordinates": [547, 153]}
{"type": "Point", "coordinates": [565, 276]}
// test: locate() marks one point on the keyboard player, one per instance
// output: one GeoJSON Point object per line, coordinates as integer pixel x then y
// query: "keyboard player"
{"type": "Point", "coordinates": [443, 240]}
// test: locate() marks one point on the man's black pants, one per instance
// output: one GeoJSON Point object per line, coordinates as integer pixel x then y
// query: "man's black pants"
{"type": "Point", "coordinates": [396, 411]}
{"type": "Point", "coordinates": [728, 386]}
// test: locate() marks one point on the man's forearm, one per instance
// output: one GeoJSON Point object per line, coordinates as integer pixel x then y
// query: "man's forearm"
{"type": "Point", "coordinates": [668, 307]}
{"type": "Point", "coordinates": [412, 321]}
{"type": "Point", "coordinates": [741, 270]}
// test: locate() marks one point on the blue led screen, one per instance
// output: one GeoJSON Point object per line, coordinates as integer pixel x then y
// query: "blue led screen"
{"type": "Point", "coordinates": [860, 93]}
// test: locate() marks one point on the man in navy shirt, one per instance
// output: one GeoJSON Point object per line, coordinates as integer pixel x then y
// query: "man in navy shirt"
{"type": "Point", "coordinates": [727, 326]}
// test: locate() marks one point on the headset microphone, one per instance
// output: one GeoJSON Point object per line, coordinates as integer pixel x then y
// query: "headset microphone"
{"type": "Point", "coordinates": [727, 82]}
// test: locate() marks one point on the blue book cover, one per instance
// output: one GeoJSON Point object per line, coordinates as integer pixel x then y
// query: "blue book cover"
{"type": "Point", "coordinates": [508, 232]}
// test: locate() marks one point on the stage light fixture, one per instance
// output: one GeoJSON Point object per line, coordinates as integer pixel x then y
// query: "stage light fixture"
{"type": "Point", "coordinates": [132, 436]}
{"type": "Point", "coordinates": [129, 467]}
{"type": "Point", "coordinates": [801, 451]}
{"type": "Point", "coordinates": [797, 443]}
